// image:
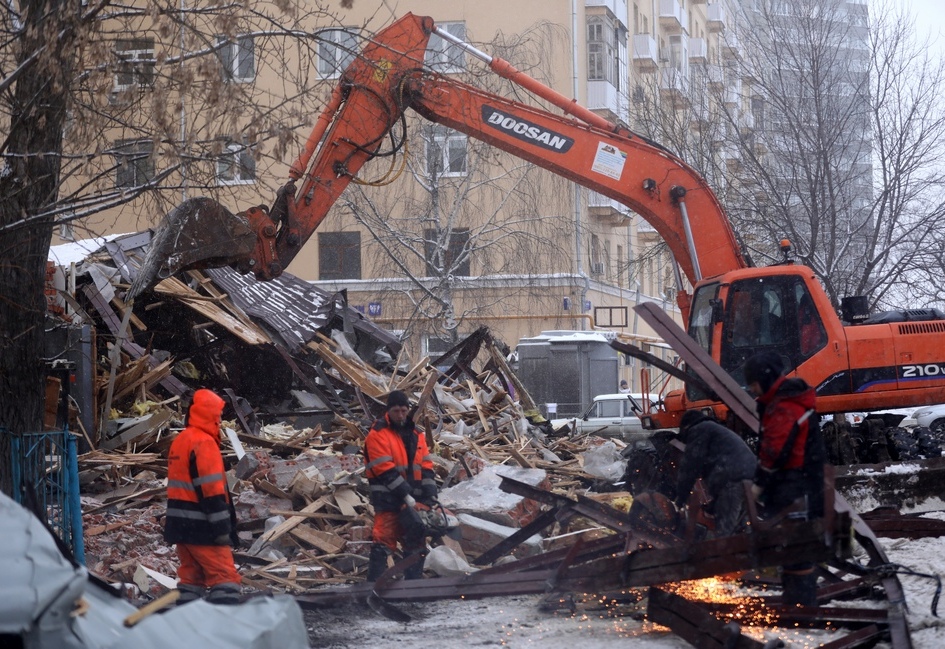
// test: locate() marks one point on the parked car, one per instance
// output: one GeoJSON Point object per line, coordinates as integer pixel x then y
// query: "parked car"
{"type": "Point", "coordinates": [610, 415]}
{"type": "Point", "coordinates": [931, 416]}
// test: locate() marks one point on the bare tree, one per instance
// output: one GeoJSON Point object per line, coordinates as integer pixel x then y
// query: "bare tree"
{"type": "Point", "coordinates": [130, 108]}
{"type": "Point", "coordinates": [843, 156]}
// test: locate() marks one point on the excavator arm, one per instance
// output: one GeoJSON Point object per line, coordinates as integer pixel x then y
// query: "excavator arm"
{"type": "Point", "coordinates": [736, 310]}
{"type": "Point", "coordinates": [367, 107]}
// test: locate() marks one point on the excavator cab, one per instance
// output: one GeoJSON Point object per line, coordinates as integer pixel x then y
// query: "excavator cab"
{"type": "Point", "coordinates": [772, 312]}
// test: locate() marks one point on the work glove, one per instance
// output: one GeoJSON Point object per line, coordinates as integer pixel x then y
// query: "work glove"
{"type": "Point", "coordinates": [223, 539]}
{"type": "Point", "coordinates": [410, 501]}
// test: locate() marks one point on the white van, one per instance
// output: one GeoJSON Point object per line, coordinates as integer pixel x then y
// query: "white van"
{"type": "Point", "coordinates": [610, 415]}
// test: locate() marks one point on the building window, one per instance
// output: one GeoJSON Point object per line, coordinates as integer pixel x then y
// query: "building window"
{"type": "Point", "coordinates": [337, 48]}
{"type": "Point", "coordinates": [446, 152]}
{"type": "Point", "coordinates": [603, 62]}
{"type": "Point", "coordinates": [758, 112]}
{"type": "Point", "coordinates": [135, 162]}
{"type": "Point", "coordinates": [238, 59]}
{"type": "Point", "coordinates": [442, 55]}
{"type": "Point", "coordinates": [339, 255]}
{"type": "Point", "coordinates": [236, 165]}
{"type": "Point", "coordinates": [451, 259]}
{"type": "Point", "coordinates": [135, 63]}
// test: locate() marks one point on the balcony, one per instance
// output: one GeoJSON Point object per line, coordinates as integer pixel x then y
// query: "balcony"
{"type": "Point", "coordinates": [607, 210]}
{"type": "Point", "coordinates": [672, 17]}
{"type": "Point", "coordinates": [733, 95]}
{"type": "Point", "coordinates": [604, 96]}
{"type": "Point", "coordinates": [699, 115]}
{"type": "Point", "coordinates": [674, 87]}
{"type": "Point", "coordinates": [715, 18]}
{"type": "Point", "coordinates": [729, 155]}
{"type": "Point", "coordinates": [645, 53]}
{"type": "Point", "coordinates": [747, 121]}
{"type": "Point", "coordinates": [698, 50]}
{"type": "Point", "coordinates": [617, 7]}
{"type": "Point", "coordinates": [715, 77]}
{"type": "Point", "coordinates": [731, 47]}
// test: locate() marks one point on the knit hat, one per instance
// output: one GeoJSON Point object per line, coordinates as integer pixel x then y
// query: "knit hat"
{"type": "Point", "coordinates": [764, 368]}
{"type": "Point", "coordinates": [397, 398]}
{"type": "Point", "coordinates": [689, 419]}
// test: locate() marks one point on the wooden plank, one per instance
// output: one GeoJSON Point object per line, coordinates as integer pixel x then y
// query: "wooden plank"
{"type": "Point", "coordinates": [149, 425]}
{"type": "Point", "coordinates": [292, 522]}
{"type": "Point", "coordinates": [250, 334]}
{"type": "Point", "coordinates": [699, 361]}
{"type": "Point", "coordinates": [347, 500]}
{"type": "Point", "coordinates": [171, 383]}
{"type": "Point", "coordinates": [264, 485]}
{"type": "Point", "coordinates": [135, 320]}
{"type": "Point", "coordinates": [479, 411]}
{"type": "Point", "coordinates": [354, 374]}
{"type": "Point", "coordinates": [155, 375]}
{"type": "Point", "coordinates": [324, 541]}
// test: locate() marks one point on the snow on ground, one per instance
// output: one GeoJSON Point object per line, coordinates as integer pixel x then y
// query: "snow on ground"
{"type": "Point", "coordinates": [518, 622]}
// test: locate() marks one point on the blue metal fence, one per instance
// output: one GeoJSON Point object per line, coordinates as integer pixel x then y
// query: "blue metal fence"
{"type": "Point", "coordinates": [45, 468]}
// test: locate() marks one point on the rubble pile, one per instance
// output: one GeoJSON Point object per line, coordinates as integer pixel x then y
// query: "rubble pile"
{"type": "Point", "coordinates": [304, 376]}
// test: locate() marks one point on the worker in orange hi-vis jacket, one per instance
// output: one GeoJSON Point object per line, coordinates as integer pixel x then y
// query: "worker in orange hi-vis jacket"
{"type": "Point", "coordinates": [400, 473]}
{"type": "Point", "coordinates": [201, 519]}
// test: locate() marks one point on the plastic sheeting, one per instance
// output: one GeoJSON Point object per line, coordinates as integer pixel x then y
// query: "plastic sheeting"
{"type": "Point", "coordinates": [41, 593]}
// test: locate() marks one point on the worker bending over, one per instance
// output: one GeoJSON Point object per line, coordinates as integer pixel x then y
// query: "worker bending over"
{"type": "Point", "coordinates": [400, 473]}
{"type": "Point", "coordinates": [723, 460]}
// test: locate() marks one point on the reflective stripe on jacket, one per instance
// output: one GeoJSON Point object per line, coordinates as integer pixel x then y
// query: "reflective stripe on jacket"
{"type": "Point", "coordinates": [389, 474]}
{"type": "Point", "coordinates": [198, 505]}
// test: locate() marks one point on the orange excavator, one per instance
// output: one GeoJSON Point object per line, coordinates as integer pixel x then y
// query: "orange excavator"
{"type": "Point", "coordinates": [734, 310]}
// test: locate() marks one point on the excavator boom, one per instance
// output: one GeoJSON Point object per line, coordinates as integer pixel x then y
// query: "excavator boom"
{"type": "Point", "coordinates": [389, 77]}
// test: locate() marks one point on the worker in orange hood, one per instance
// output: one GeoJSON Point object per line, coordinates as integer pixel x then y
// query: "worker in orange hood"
{"type": "Point", "coordinates": [201, 519]}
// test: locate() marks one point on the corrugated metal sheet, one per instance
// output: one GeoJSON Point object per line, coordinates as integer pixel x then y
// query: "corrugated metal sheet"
{"type": "Point", "coordinates": [287, 306]}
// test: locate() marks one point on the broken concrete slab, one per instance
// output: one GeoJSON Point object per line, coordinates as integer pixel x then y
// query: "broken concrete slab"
{"type": "Point", "coordinates": [482, 497]}
{"type": "Point", "coordinates": [479, 535]}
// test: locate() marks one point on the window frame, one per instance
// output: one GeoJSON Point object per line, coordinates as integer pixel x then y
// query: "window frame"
{"type": "Point", "coordinates": [337, 49]}
{"type": "Point", "coordinates": [232, 55]}
{"type": "Point", "coordinates": [441, 55]}
{"type": "Point", "coordinates": [444, 140]}
{"type": "Point", "coordinates": [459, 237]}
{"type": "Point", "coordinates": [140, 154]}
{"type": "Point", "coordinates": [343, 245]}
{"type": "Point", "coordinates": [136, 60]}
{"type": "Point", "coordinates": [236, 157]}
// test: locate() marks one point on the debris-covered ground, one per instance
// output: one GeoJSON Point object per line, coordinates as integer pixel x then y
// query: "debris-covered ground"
{"type": "Point", "coordinates": [304, 376]}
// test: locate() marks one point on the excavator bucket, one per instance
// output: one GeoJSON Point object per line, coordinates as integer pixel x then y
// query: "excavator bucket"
{"type": "Point", "coordinates": [199, 233]}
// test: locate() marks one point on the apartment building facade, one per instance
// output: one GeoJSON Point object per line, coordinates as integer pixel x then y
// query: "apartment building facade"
{"type": "Point", "coordinates": [458, 235]}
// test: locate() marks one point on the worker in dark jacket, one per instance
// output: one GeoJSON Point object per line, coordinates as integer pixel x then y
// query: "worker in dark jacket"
{"type": "Point", "coordinates": [400, 473]}
{"type": "Point", "coordinates": [791, 457]}
{"type": "Point", "coordinates": [723, 461]}
{"type": "Point", "coordinates": [200, 515]}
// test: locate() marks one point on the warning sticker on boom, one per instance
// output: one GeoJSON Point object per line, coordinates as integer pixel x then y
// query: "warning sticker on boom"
{"type": "Point", "coordinates": [609, 160]}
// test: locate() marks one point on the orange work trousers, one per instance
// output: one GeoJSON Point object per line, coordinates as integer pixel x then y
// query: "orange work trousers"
{"type": "Point", "coordinates": [388, 531]}
{"type": "Point", "coordinates": [206, 565]}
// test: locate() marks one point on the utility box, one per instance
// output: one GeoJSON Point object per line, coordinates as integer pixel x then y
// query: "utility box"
{"type": "Point", "coordinates": [567, 368]}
